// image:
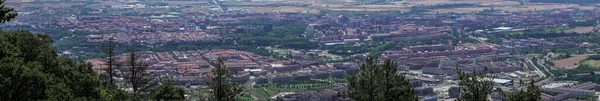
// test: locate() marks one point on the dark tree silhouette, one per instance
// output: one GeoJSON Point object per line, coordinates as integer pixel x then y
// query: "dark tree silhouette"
{"type": "Point", "coordinates": [223, 88]}
{"type": "Point", "coordinates": [380, 82]}
{"type": "Point", "coordinates": [532, 93]}
{"type": "Point", "coordinates": [474, 86]}
{"type": "Point", "coordinates": [166, 91]}
{"type": "Point", "coordinates": [111, 61]}
{"type": "Point", "coordinates": [6, 13]}
{"type": "Point", "coordinates": [136, 75]}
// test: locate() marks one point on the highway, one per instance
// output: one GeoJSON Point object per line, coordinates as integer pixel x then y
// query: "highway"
{"type": "Point", "coordinates": [537, 70]}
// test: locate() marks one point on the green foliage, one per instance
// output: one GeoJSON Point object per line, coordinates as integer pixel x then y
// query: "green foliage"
{"type": "Point", "coordinates": [287, 37]}
{"type": "Point", "coordinates": [6, 13]}
{"type": "Point", "coordinates": [168, 92]}
{"type": "Point", "coordinates": [585, 23]}
{"type": "Point", "coordinates": [593, 57]}
{"type": "Point", "coordinates": [532, 93]}
{"type": "Point", "coordinates": [31, 70]}
{"type": "Point", "coordinates": [377, 51]}
{"type": "Point", "coordinates": [379, 82]}
{"type": "Point", "coordinates": [223, 88]}
{"type": "Point", "coordinates": [474, 86]}
{"type": "Point", "coordinates": [563, 56]}
{"type": "Point", "coordinates": [531, 34]}
{"type": "Point", "coordinates": [583, 73]}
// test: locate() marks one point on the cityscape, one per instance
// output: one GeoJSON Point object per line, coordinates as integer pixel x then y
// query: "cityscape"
{"type": "Point", "coordinates": [303, 50]}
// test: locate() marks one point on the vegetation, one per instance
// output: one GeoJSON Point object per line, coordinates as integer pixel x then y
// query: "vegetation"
{"type": "Point", "coordinates": [166, 91]}
{"type": "Point", "coordinates": [474, 86]}
{"type": "Point", "coordinates": [290, 36]}
{"type": "Point", "coordinates": [136, 76]}
{"type": "Point", "coordinates": [583, 73]}
{"type": "Point", "coordinates": [532, 93]}
{"type": "Point", "coordinates": [6, 13]}
{"type": "Point", "coordinates": [378, 81]}
{"type": "Point", "coordinates": [111, 62]}
{"type": "Point", "coordinates": [295, 86]}
{"type": "Point", "coordinates": [31, 70]}
{"type": "Point", "coordinates": [222, 87]}
{"type": "Point", "coordinates": [593, 57]}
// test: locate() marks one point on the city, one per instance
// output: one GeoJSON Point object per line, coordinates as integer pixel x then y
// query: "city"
{"type": "Point", "coordinates": [310, 50]}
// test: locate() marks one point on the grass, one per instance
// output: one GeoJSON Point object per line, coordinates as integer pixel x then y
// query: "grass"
{"type": "Point", "coordinates": [336, 80]}
{"type": "Point", "coordinates": [273, 89]}
{"type": "Point", "coordinates": [296, 87]}
{"type": "Point", "coordinates": [593, 63]}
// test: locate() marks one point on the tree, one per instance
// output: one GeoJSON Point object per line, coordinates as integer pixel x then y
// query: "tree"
{"type": "Point", "coordinates": [111, 61]}
{"type": "Point", "coordinates": [30, 69]}
{"type": "Point", "coordinates": [166, 91]}
{"type": "Point", "coordinates": [6, 13]}
{"type": "Point", "coordinates": [532, 93]}
{"type": "Point", "coordinates": [474, 86]}
{"type": "Point", "coordinates": [136, 75]}
{"type": "Point", "coordinates": [222, 87]}
{"type": "Point", "coordinates": [379, 82]}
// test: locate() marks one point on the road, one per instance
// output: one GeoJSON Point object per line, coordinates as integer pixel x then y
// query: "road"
{"type": "Point", "coordinates": [478, 39]}
{"type": "Point", "coordinates": [254, 93]}
{"type": "Point", "coordinates": [542, 63]}
{"type": "Point", "coordinates": [537, 70]}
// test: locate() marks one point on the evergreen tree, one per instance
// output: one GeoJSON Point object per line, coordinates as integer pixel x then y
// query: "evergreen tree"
{"type": "Point", "coordinates": [474, 86]}
{"type": "Point", "coordinates": [31, 70]}
{"type": "Point", "coordinates": [532, 93]}
{"type": "Point", "coordinates": [380, 82]}
{"type": "Point", "coordinates": [6, 13]}
{"type": "Point", "coordinates": [222, 87]}
{"type": "Point", "coordinates": [166, 91]}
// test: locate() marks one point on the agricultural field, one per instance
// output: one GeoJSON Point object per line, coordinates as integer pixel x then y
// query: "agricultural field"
{"type": "Point", "coordinates": [580, 29]}
{"type": "Point", "coordinates": [459, 10]}
{"type": "Point", "coordinates": [569, 63]}
{"type": "Point", "coordinates": [282, 10]}
{"type": "Point", "coordinates": [481, 2]}
{"type": "Point", "coordinates": [274, 89]}
{"type": "Point", "coordinates": [593, 63]}
{"type": "Point", "coordinates": [371, 8]}
{"type": "Point", "coordinates": [524, 8]}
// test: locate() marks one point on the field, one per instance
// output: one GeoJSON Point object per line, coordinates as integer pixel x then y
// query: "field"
{"type": "Point", "coordinates": [569, 63]}
{"type": "Point", "coordinates": [282, 10]}
{"type": "Point", "coordinates": [593, 63]}
{"type": "Point", "coordinates": [459, 10]}
{"type": "Point", "coordinates": [580, 29]}
{"type": "Point", "coordinates": [371, 8]}
{"type": "Point", "coordinates": [536, 7]}
{"type": "Point", "coordinates": [481, 2]}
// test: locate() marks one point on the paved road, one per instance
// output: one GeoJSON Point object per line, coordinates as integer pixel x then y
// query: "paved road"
{"type": "Point", "coordinates": [537, 70]}
{"type": "Point", "coordinates": [541, 62]}
{"type": "Point", "coordinates": [254, 93]}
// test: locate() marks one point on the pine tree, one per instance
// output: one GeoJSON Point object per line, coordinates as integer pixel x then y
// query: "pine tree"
{"type": "Point", "coordinates": [137, 77]}
{"type": "Point", "coordinates": [6, 13]}
{"type": "Point", "coordinates": [166, 91]}
{"type": "Point", "coordinates": [474, 86]}
{"type": "Point", "coordinates": [380, 82]}
{"type": "Point", "coordinates": [223, 88]}
{"type": "Point", "coordinates": [532, 93]}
